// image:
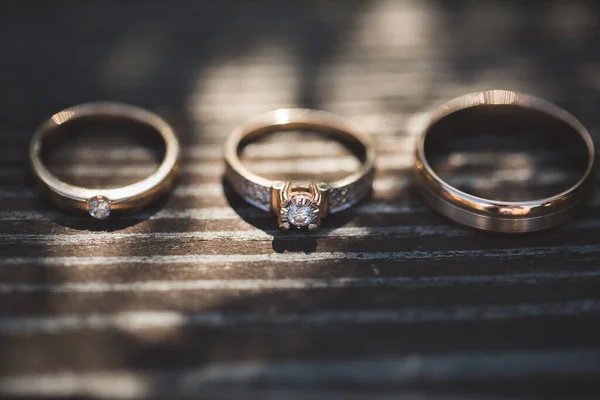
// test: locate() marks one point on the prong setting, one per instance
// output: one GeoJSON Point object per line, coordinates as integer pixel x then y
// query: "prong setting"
{"type": "Point", "coordinates": [298, 207]}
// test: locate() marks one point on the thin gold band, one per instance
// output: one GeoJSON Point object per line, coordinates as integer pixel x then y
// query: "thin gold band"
{"type": "Point", "coordinates": [503, 216]}
{"type": "Point", "coordinates": [130, 197]}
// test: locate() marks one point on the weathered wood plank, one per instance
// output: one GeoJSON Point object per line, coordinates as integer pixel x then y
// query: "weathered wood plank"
{"type": "Point", "coordinates": [201, 296]}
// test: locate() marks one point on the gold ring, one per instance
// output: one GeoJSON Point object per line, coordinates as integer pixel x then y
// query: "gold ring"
{"type": "Point", "coordinates": [503, 216]}
{"type": "Point", "coordinates": [100, 202]}
{"type": "Point", "coordinates": [300, 204]}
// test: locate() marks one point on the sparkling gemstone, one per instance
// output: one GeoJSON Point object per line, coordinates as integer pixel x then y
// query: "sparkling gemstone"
{"type": "Point", "coordinates": [301, 213]}
{"type": "Point", "coordinates": [99, 207]}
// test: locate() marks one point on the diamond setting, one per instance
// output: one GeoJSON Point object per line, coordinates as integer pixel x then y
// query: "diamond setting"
{"type": "Point", "coordinates": [99, 207]}
{"type": "Point", "coordinates": [299, 206]}
{"type": "Point", "coordinates": [300, 213]}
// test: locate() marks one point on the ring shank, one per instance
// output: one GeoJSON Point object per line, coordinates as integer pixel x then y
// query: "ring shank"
{"type": "Point", "coordinates": [503, 216]}
{"type": "Point", "coordinates": [256, 190]}
{"type": "Point", "coordinates": [129, 197]}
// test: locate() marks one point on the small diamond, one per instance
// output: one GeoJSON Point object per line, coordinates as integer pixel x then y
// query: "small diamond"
{"type": "Point", "coordinates": [99, 207]}
{"type": "Point", "coordinates": [301, 213]}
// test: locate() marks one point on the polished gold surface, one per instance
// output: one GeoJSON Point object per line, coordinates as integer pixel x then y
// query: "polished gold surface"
{"type": "Point", "coordinates": [281, 197]}
{"type": "Point", "coordinates": [494, 215]}
{"type": "Point", "coordinates": [100, 202]}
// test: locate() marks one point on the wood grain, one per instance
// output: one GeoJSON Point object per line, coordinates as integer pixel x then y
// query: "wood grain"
{"type": "Point", "coordinates": [201, 297]}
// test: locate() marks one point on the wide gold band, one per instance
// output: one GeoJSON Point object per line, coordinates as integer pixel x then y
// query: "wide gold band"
{"type": "Point", "coordinates": [130, 197]}
{"type": "Point", "coordinates": [503, 216]}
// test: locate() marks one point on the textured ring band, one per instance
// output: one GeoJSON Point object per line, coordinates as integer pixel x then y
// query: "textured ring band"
{"type": "Point", "coordinates": [299, 205]}
{"type": "Point", "coordinates": [100, 202]}
{"type": "Point", "coordinates": [503, 216]}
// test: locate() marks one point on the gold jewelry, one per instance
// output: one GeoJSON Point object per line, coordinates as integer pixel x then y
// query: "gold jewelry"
{"type": "Point", "coordinates": [299, 204]}
{"type": "Point", "coordinates": [495, 215]}
{"type": "Point", "coordinates": [100, 202]}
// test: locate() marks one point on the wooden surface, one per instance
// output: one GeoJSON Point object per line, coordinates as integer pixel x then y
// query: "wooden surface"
{"type": "Point", "coordinates": [199, 297]}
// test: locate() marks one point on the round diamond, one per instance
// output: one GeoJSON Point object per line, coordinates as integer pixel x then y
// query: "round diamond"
{"type": "Point", "coordinates": [301, 213]}
{"type": "Point", "coordinates": [99, 207]}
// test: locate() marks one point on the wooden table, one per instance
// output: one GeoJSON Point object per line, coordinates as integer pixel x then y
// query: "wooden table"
{"type": "Point", "coordinates": [200, 296]}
